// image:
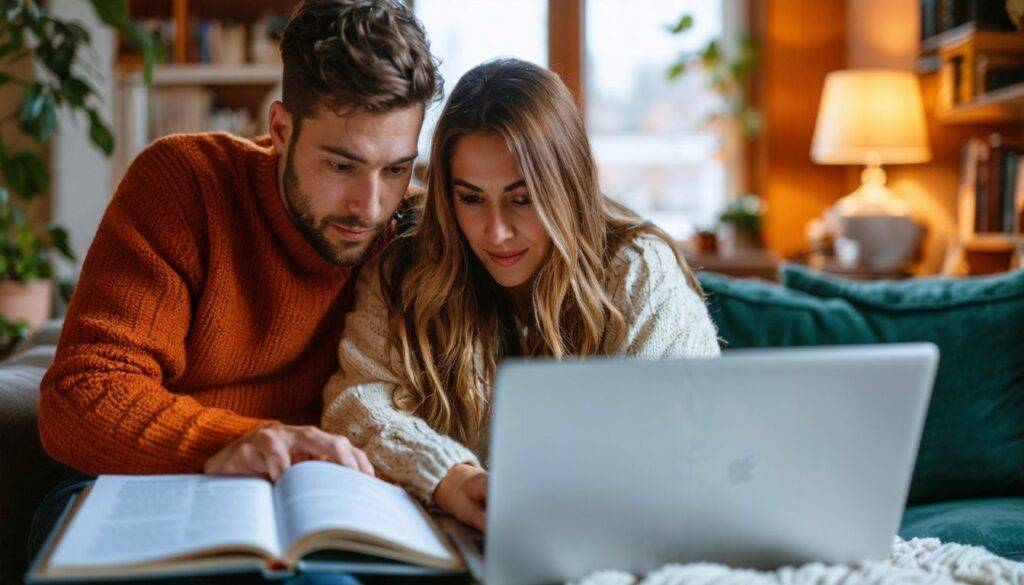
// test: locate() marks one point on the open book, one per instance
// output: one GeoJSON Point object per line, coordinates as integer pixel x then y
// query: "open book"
{"type": "Point", "coordinates": [157, 525]}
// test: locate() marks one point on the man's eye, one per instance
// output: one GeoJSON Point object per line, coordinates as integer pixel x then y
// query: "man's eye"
{"type": "Point", "coordinates": [397, 171]}
{"type": "Point", "coordinates": [340, 167]}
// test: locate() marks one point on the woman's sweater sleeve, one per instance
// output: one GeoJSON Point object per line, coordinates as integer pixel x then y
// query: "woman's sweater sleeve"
{"type": "Point", "coordinates": [358, 401]}
{"type": "Point", "coordinates": [667, 318]}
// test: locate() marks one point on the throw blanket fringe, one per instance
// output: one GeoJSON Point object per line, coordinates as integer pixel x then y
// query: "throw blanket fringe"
{"type": "Point", "coordinates": [920, 561]}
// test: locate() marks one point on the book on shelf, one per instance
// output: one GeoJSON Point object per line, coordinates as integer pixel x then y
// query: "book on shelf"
{"type": "Point", "coordinates": [184, 109]}
{"type": "Point", "coordinates": [938, 16]}
{"type": "Point", "coordinates": [218, 41]}
{"type": "Point", "coordinates": [992, 187]}
{"type": "Point", "coordinates": [318, 516]}
{"type": "Point", "coordinates": [997, 70]}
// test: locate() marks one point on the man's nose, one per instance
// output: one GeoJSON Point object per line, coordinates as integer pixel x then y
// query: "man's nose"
{"type": "Point", "coordinates": [363, 200]}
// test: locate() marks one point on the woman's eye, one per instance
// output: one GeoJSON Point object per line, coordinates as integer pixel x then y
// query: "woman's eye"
{"type": "Point", "coordinates": [522, 201]}
{"type": "Point", "coordinates": [397, 171]}
{"type": "Point", "coordinates": [468, 198]}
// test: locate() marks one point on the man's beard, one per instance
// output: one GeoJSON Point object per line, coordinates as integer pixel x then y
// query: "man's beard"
{"type": "Point", "coordinates": [297, 201]}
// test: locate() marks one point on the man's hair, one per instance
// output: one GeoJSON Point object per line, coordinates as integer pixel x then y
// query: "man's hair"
{"type": "Point", "coordinates": [366, 54]}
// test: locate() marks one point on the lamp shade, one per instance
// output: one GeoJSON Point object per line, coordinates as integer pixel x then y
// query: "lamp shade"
{"type": "Point", "coordinates": [870, 116]}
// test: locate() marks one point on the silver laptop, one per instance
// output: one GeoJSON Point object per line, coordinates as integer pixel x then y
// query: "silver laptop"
{"type": "Point", "coordinates": [759, 459]}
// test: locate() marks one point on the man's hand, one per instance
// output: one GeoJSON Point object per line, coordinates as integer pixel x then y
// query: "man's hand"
{"type": "Point", "coordinates": [463, 494]}
{"type": "Point", "coordinates": [269, 450]}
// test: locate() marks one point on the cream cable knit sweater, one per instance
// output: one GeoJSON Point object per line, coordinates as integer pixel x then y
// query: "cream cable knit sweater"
{"type": "Point", "coordinates": [666, 320]}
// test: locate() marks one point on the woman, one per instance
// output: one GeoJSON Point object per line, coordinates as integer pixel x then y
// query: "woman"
{"type": "Point", "coordinates": [516, 253]}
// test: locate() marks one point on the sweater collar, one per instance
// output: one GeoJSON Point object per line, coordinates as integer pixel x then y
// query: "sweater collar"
{"type": "Point", "coordinates": [296, 247]}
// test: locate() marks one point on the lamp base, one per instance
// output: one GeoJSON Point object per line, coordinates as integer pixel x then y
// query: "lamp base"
{"type": "Point", "coordinates": [878, 242]}
{"type": "Point", "coordinates": [872, 197]}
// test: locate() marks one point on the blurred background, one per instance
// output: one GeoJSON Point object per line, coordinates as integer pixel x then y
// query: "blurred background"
{"type": "Point", "coordinates": [706, 116]}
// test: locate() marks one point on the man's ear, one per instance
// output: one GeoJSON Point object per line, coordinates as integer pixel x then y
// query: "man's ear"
{"type": "Point", "coordinates": [282, 126]}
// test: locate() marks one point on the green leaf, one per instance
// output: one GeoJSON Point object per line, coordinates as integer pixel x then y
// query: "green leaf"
{"type": "Point", "coordinates": [66, 288]}
{"type": "Point", "coordinates": [43, 125]}
{"type": "Point", "coordinates": [684, 24]}
{"type": "Point", "coordinates": [26, 174]}
{"type": "Point", "coordinates": [99, 133]}
{"type": "Point", "coordinates": [5, 197]}
{"type": "Point", "coordinates": [711, 57]}
{"type": "Point", "coordinates": [677, 69]}
{"type": "Point", "coordinates": [32, 104]}
{"type": "Point", "coordinates": [77, 32]}
{"type": "Point", "coordinates": [145, 42]}
{"type": "Point", "coordinates": [112, 12]}
{"type": "Point", "coordinates": [15, 41]}
{"type": "Point", "coordinates": [60, 241]}
{"type": "Point", "coordinates": [76, 91]}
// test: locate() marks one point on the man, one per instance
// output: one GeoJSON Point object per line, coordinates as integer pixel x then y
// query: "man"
{"type": "Point", "coordinates": [208, 312]}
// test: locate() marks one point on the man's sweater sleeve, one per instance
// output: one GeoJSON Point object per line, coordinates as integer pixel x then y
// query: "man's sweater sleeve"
{"type": "Point", "coordinates": [104, 405]}
{"type": "Point", "coordinates": [358, 402]}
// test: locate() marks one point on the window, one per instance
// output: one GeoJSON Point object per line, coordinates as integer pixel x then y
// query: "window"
{"type": "Point", "coordinates": [464, 34]}
{"type": "Point", "coordinates": [655, 149]}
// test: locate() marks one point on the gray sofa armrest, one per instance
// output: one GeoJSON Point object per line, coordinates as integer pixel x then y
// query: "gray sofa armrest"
{"type": "Point", "coordinates": [26, 472]}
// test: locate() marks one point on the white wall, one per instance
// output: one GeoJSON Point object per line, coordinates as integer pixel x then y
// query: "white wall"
{"type": "Point", "coordinates": [81, 184]}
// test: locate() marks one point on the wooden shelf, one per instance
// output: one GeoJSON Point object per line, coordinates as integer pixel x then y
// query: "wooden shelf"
{"type": "Point", "coordinates": [995, 242]}
{"type": "Point", "coordinates": [212, 74]}
{"type": "Point", "coordinates": [1005, 104]}
{"type": "Point", "coordinates": [981, 40]}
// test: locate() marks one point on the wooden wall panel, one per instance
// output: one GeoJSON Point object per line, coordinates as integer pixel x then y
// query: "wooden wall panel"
{"type": "Point", "coordinates": [800, 43]}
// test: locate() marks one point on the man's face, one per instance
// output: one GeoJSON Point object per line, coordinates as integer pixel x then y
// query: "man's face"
{"type": "Point", "coordinates": [343, 174]}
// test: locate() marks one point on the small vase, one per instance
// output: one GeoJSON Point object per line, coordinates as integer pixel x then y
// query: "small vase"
{"type": "Point", "coordinates": [30, 301]}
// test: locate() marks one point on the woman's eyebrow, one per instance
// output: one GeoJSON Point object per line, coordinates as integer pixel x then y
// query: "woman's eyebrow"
{"type": "Point", "coordinates": [472, 187]}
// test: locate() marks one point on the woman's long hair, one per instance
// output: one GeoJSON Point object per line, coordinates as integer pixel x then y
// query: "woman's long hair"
{"type": "Point", "coordinates": [446, 307]}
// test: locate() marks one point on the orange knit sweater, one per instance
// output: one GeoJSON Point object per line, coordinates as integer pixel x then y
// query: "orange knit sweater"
{"type": "Point", "coordinates": [201, 313]}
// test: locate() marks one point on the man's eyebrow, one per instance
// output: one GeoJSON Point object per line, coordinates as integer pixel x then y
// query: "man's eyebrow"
{"type": "Point", "coordinates": [337, 150]}
{"type": "Point", "coordinates": [472, 187]}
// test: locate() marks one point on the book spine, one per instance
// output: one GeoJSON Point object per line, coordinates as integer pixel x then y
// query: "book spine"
{"type": "Point", "coordinates": [980, 187]}
{"type": "Point", "coordinates": [1007, 213]}
{"type": "Point", "coordinates": [994, 191]}
{"type": "Point", "coordinates": [1018, 204]}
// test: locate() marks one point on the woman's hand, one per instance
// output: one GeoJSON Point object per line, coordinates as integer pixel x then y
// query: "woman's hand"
{"type": "Point", "coordinates": [463, 494]}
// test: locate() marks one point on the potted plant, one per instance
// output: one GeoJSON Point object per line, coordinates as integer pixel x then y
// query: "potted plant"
{"type": "Point", "coordinates": [50, 49]}
{"type": "Point", "coordinates": [741, 222]}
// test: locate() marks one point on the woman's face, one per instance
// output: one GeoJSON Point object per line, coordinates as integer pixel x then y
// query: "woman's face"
{"type": "Point", "coordinates": [495, 211]}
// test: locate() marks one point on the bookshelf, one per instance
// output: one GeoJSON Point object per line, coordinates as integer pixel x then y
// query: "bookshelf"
{"type": "Point", "coordinates": [222, 71]}
{"type": "Point", "coordinates": [979, 79]}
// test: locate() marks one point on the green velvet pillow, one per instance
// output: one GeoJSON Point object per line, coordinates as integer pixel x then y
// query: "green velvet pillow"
{"type": "Point", "coordinates": [992, 523]}
{"type": "Point", "coordinates": [754, 313]}
{"type": "Point", "coordinates": [973, 441]}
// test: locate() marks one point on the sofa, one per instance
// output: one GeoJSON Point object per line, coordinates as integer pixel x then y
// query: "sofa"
{"type": "Point", "coordinates": [968, 481]}
{"type": "Point", "coordinates": [967, 486]}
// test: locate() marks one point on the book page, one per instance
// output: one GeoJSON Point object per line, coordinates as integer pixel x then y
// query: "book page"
{"type": "Point", "coordinates": [316, 496]}
{"type": "Point", "coordinates": [136, 519]}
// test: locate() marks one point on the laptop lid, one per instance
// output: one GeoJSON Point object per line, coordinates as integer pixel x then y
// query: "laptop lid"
{"type": "Point", "coordinates": [760, 458]}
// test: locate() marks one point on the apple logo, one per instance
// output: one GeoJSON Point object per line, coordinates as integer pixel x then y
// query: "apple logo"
{"type": "Point", "coordinates": [741, 470]}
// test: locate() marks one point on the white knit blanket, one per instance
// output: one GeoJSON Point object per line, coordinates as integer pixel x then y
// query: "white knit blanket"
{"type": "Point", "coordinates": [913, 562]}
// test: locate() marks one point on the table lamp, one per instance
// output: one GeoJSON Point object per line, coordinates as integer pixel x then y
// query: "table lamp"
{"type": "Point", "coordinates": [871, 117]}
